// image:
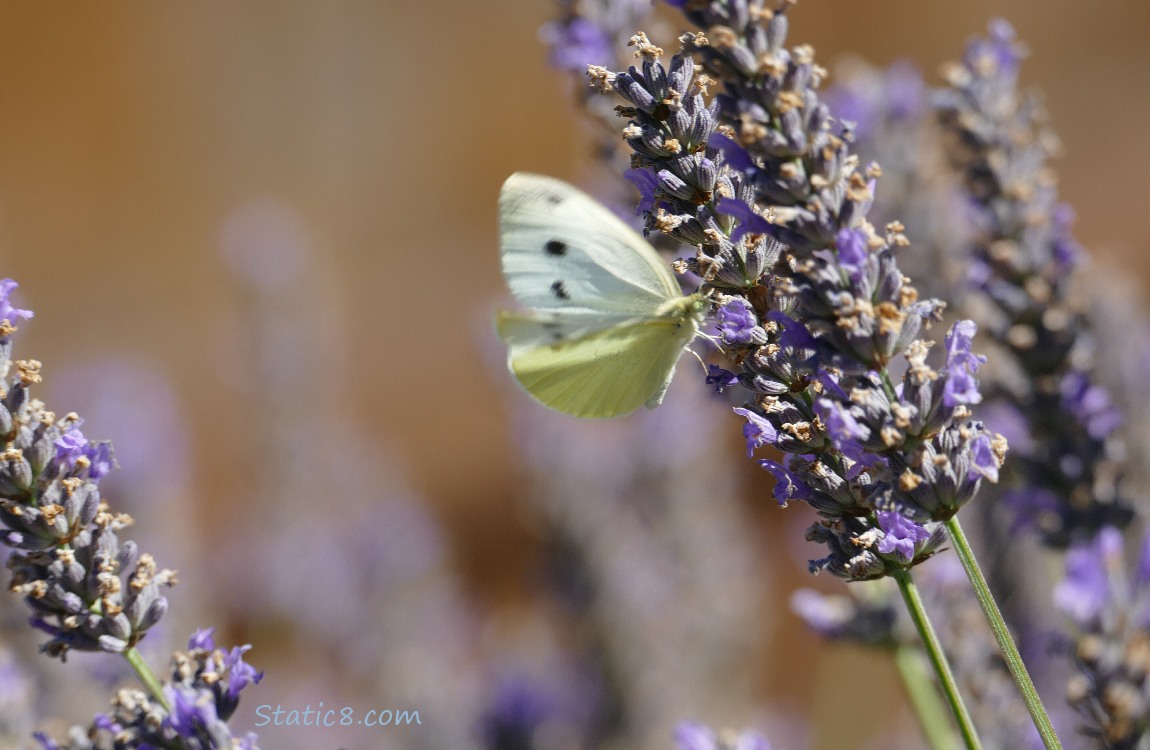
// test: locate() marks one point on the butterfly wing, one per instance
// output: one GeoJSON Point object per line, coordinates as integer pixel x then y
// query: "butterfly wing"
{"type": "Point", "coordinates": [561, 250]}
{"type": "Point", "coordinates": [608, 372]}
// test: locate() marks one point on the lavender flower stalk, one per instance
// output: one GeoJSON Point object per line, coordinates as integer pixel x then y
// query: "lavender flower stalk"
{"type": "Point", "coordinates": [812, 329]}
{"type": "Point", "coordinates": [1070, 480]}
{"type": "Point", "coordinates": [87, 589]}
{"type": "Point", "coordinates": [814, 311]}
{"type": "Point", "coordinates": [1072, 483]}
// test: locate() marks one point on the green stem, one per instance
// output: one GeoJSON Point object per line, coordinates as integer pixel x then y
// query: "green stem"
{"type": "Point", "coordinates": [147, 676]}
{"type": "Point", "coordinates": [933, 716]}
{"type": "Point", "coordinates": [1002, 635]}
{"type": "Point", "coordinates": [937, 659]}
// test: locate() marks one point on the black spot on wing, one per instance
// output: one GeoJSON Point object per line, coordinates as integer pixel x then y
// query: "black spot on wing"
{"type": "Point", "coordinates": [554, 199]}
{"type": "Point", "coordinates": [555, 330]}
{"type": "Point", "coordinates": [559, 289]}
{"type": "Point", "coordinates": [555, 248]}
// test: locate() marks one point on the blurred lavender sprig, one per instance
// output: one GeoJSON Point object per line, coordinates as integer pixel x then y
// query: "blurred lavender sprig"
{"type": "Point", "coordinates": [658, 593]}
{"type": "Point", "coordinates": [393, 560]}
{"type": "Point", "coordinates": [1068, 482]}
{"type": "Point", "coordinates": [1072, 484]}
{"type": "Point", "coordinates": [87, 589]}
{"type": "Point", "coordinates": [1107, 602]}
{"type": "Point", "coordinates": [591, 32]}
{"type": "Point", "coordinates": [814, 314]}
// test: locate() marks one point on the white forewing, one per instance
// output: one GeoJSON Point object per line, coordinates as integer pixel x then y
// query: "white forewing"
{"type": "Point", "coordinates": [563, 251]}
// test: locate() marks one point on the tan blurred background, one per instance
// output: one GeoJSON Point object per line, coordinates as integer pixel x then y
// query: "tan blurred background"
{"type": "Point", "coordinates": [131, 131]}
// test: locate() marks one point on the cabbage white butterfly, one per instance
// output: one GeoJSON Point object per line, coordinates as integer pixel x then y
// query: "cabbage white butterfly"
{"type": "Point", "coordinates": [606, 321]}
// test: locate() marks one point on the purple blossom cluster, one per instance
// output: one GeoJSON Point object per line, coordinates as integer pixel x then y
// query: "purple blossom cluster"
{"type": "Point", "coordinates": [815, 318]}
{"type": "Point", "coordinates": [89, 590]}
{"type": "Point", "coordinates": [1069, 480]}
{"type": "Point", "coordinates": [198, 700]}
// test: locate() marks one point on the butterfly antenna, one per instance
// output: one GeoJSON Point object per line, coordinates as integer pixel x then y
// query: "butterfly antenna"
{"type": "Point", "coordinates": [715, 341]}
{"type": "Point", "coordinates": [696, 356]}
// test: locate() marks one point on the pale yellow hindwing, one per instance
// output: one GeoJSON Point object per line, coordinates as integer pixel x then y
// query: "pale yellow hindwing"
{"type": "Point", "coordinates": [601, 373]}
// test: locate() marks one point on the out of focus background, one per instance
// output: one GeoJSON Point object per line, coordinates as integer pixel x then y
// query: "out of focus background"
{"type": "Point", "coordinates": [260, 242]}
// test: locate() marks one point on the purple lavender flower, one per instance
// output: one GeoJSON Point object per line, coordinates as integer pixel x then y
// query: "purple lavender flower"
{"type": "Point", "coordinates": [594, 32]}
{"type": "Point", "coordinates": [845, 429]}
{"type": "Point", "coordinates": [561, 698]}
{"type": "Point", "coordinates": [874, 101]}
{"type": "Point", "coordinates": [901, 535]}
{"type": "Point", "coordinates": [645, 182]}
{"type": "Point", "coordinates": [75, 453]}
{"type": "Point", "coordinates": [88, 590]}
{"type": "Point", "coordinates": [198, 700]}
{"type": "Point", "coordinates": [240, 673]}
{"type": "Point", "coordinates": [46, 742]}
{"type": "Point", "coordinates": [7, 311]}
{"type": "Point", "coordinates": [192, 713]}
{"type": "Point", "coordinates": [1090, 405]}
{"type": "Point", "coordinates": [50, 501]}
{"type": "Point", "coordinates": [1085, 592]}
{"type": "Point", "coordinates": [961, 365]}
{"type": "Point", "coordinates": [720, 378]}
{"type": "Point", "coordinates": [693, 736]}
{"type": "Point", "coordinates": [854, 255]}
{"type": "Point", "coordinates": [71, 446]}
{"type": "Point", "coordinates": [757, 431]}
{"type": "Point", "coordinates": [575, 44]}
{"type": "Point", "coordinates": [984, 460]}
{"type": "Point", "coordinates": [788, 485]}
{"type": "Point", "coordinates": [202, 639]}
{"type": "Point", "coordinates": [737, 324]}
{"type": "Point", "coordinates": [101, 459]}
